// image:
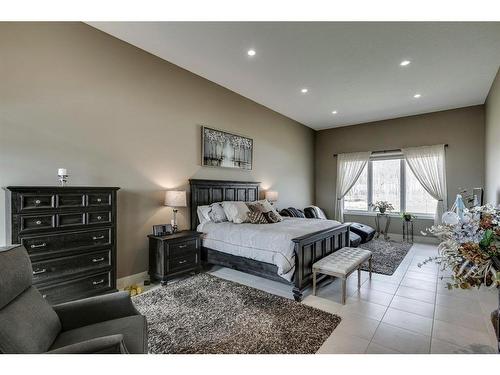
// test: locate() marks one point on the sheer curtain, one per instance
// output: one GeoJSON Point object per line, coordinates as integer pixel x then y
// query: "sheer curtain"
{"type": "Point", "coordinates": [428, 165]}
{"type": "Point", "coordinates": [349, 168]}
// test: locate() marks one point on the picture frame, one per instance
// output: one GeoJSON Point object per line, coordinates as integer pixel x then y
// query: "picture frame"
{"type": "Point", "coordinates": [162, 230]}
{"type": "Point", "coordinates": [225, 150]}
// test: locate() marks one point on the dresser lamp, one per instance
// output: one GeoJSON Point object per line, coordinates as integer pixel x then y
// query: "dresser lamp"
{"type": "Point", "coordinates": [272, 196]}
{"type": "Point", "coordinates": [175, 199]}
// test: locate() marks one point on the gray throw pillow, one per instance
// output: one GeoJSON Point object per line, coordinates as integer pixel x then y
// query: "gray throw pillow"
{"type": "Point", "coordinates": [216, 213]}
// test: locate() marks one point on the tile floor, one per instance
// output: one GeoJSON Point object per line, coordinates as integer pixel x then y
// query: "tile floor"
{"type": "Point", "coordinates": [411, 311]}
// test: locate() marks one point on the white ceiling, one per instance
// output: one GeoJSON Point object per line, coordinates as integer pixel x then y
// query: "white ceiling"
{"type": "Point", "coordinates": [349, 67]}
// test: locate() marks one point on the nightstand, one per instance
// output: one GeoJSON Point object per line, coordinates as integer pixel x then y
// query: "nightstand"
{"type": "Point", "coordinates": [174, 255]}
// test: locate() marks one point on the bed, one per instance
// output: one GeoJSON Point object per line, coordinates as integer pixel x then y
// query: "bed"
{"type": "Point", "coordinates": [299, 242]}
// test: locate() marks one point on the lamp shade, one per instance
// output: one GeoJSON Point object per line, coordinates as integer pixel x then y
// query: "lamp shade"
{"type": "Point", "coordinates": [175, 198]}
{"type": "Point", "coordinates": [272, 196]}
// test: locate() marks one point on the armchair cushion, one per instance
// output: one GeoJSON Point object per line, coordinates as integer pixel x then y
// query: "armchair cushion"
{"type": "Point", "coordinates": [113, 344]}
{"type": "Point", "coordinates": [93, 310]}
{"type": "Point", "coordinates": [15, 273]}
{"type": "Point", "coordinates": [133, 329]}
{"type": "Point", "coordinates": [28, 324]}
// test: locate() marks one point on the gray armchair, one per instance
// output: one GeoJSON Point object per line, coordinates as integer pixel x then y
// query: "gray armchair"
{"type": "Point", "coordinates": [28, 324]}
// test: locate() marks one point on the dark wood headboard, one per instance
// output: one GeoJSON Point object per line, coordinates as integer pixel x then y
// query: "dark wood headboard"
{"type": "Point", "coordinates": [205, 192]}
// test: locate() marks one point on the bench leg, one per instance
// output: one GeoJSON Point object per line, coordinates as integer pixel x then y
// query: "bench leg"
{"type": "Point", "coordinates": [344, 282]}
{"type": "Point", "coordinates": [370, 266]}
{"type": "Point", "coordinates": [359, 277]}
{"type": "Point", "coordinates": [314, 283]}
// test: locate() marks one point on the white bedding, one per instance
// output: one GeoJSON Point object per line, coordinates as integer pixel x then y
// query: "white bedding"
{"type": "Point", "coordinates": [270, 243]}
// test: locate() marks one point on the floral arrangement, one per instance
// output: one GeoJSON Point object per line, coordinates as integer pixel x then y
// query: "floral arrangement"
{"type": "Point", "coordinates": [382, 206]}
{"type": "Point", "coordinates": [469, 246]}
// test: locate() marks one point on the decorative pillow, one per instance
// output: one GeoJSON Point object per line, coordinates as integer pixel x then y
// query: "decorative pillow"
{"type": "Point", "coordinates": [257, 217]}
{"type": "Point", "coordinates": [237, 212]}
{"type": "Point", "coordinates": [269, 207]}
{"type": "Point", "coordinates": [271, 217]}
{"type": "Point", "coordinates": [202, 212]}
{"type": "Point", "coordinates": [256, 207]}
{"type": "Point", "coordinates": [216, 213]}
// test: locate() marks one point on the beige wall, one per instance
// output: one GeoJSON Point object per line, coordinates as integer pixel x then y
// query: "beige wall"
{"type": "Point", "coordinates": [462, 129]}
{"type": "Point", "coordinates": [114, 115]}
{"type": "Point", "coordinates": [492, 146]}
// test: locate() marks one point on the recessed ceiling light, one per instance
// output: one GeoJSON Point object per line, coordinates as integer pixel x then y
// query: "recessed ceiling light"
{"type": "Point", "coordinates": [304, 90]}
{"type": "Point", "coordinates": [251, 52]}
{"type": "Point", "coordinates": [334, 112]}
{"type": "Point", "coordinates": [416, 96]}
{"type": "Point", "coordinates": [405, 62]}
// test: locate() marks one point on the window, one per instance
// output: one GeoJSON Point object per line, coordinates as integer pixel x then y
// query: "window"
{"type": "Point", "coordinates": [389, 179]}
{"type": "Point", "coordinates": [418, 200]}
{"type": "Point", "coordinates": [357, 198]}
{"type": "Point", "coordinates": [386, 181]}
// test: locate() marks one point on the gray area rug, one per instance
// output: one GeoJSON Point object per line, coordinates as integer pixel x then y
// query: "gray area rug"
{"type": "Point", "coordinates": [206, 314]}
{"type": "Point", "coordinates": [387, 255]}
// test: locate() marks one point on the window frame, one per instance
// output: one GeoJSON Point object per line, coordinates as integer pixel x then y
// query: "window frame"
{"type": "Point", "coordinates": [402, 190]}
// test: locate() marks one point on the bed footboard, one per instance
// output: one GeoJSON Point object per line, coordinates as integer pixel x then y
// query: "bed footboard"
{"type": "Point", "coordinates": [312, 247]}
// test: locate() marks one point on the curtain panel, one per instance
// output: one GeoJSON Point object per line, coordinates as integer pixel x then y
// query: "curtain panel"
{"type": "Point", "coordinates": [429, 167]}
{"type": "Point", "coordinates": [349, 168]}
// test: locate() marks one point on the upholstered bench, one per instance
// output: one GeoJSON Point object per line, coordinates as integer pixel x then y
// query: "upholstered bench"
{"type": "Point", "coordinates": [341, 264]}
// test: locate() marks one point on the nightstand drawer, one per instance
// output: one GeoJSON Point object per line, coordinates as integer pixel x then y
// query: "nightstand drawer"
{"type": "Point", "coordinates": [33, 223]}
{"type": "Point", "coordinates": [179, 249]}
{"type": "Point", "coordinates": [187, 261]}
{"type": "Point", "coordinates": [98, 199]}
{"type": "Point", "coordinates": [36, 201]}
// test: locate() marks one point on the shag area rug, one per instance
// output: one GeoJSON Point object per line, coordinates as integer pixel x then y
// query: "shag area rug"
{"type": "Point", "coordinates": [387, 255]}
{"type": "Point", "coordinates": [206, 314]}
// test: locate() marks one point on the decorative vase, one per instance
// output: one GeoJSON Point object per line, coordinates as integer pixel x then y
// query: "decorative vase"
{"type": "Point", "coordinates": [407, 218]}
{"type": "Point", "coordinates": [382, 210]}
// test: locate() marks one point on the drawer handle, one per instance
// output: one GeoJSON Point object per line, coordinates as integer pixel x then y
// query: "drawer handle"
{"type": "Point", "coordinates": [40, 245]}
{"type": "Point", "coordinates": [38, 201]}
{"type": "Point", "coordinates": [182, 246]}
{"type": "Point", "coordinates": [95, 260]}
{"type": "Point", "coordinates": [97, 282]}
{"type": "Point", "coordinates": [38, 272]}
{"type": "Point", "coordinates": [38, 222]}
{"type": "Point", "coordinates": [182, 261]}
{"type": "Point", "coordinates": [44, 296]}
{"type": "Point", "coordinates": [99, 200]}
{"type": "Point", "coordinates": [99, 217]}
{"type": "Point", "coordinates": [95, 238]}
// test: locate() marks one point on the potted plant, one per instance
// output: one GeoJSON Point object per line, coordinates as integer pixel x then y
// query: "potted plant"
{"type": "Point", "coordinates": [408, 216]}
{"type": "Point", "coordinates": [382, 206]}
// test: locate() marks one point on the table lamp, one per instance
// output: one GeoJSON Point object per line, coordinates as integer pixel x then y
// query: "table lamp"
{"type": "Point", "coordinates": [272, 196]}
{"type": "Point", "coordinates": [175, 199]}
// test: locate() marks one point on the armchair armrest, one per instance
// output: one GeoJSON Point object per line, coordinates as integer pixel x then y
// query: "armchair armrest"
{"type": "Point", "coordinates": [93, 310]}
{"type": "Point", "coordinates": [113, 344]}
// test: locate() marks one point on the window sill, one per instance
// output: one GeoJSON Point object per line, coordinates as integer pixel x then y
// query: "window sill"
{"type": "Point", "coordinates": [392, 215]}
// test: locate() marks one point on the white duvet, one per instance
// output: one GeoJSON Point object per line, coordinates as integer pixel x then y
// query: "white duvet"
{"type": "Point", "coordinates": [270, 243]}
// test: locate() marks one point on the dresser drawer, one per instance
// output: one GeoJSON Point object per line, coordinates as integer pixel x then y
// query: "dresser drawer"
{"type": "Point", "coordinates": [98, 217]}
{"type": "Point", "coordinates": [77, 288]}
{"type": "Point", "coordinates": [70, 200]}
{"type": "Point", "coordinates": [71, 219]}
{"type": "Point", "coordinates": [61, 242]}
{"type": "Point", "coordinates": [98, 199]}
{"type": "Point", "coordinates": [179, 249]}
{"type": "Point", "coordinates": [187, 261]}
{"type": "Point", "coordinates": [28, 202]}
{"type": "Point", "coordinates": [46, 270]}
{"type": "Point", "coordinates": [37, 222]}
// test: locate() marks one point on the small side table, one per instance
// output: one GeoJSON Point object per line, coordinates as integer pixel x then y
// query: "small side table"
{"type": "Point", "coordinates": [173, 255]}
{"type": "Point", "coordinates": [408, 231]}
{"type": "Point", "coordinates": [384, 231]}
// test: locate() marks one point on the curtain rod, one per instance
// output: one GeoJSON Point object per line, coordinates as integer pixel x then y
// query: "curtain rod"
{"type": "Point", "coordinates": [386, 151]}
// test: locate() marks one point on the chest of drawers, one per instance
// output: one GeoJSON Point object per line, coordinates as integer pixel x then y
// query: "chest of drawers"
{"type": "Point", "coordinates": [70, 235]}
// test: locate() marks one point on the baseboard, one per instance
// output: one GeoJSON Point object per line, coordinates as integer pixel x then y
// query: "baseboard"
{"type": "Point", "coordinates": [137, 278]}
{"type": "Point", "coordinates": [417, 239]}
